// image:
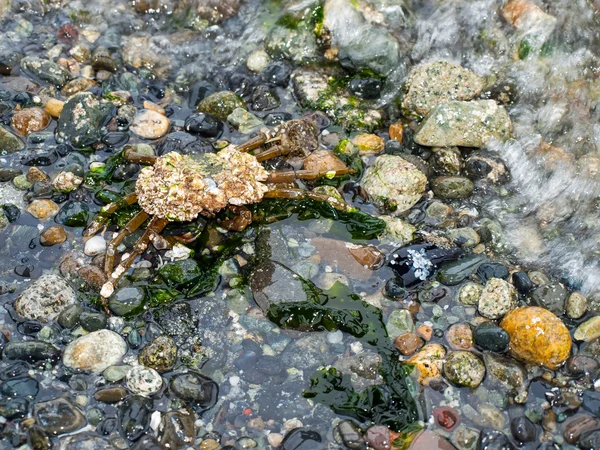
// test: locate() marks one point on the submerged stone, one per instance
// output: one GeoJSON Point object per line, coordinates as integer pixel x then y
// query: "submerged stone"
{"type": "Point", "coordinates": [82, 120]}
{"type": "Point", "coordinates": [464, 124]}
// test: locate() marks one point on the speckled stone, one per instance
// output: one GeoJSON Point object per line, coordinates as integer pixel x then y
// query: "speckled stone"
{"type": "Point", "coordinates": [429, 362]}
{"type": "Point", "coordinates": [498, 298]}
{"type": "Point", "coordinates": [464, 369]}
{"type": "Point", "coordinates": [537, 336]}
{"type": "Point", "coordinates": [95, 352]}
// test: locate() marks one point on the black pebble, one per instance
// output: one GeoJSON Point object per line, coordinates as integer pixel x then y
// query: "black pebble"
{"type": "Point", "coordinates": [522, 282]}
{"type": "Point", "coordinates": [492, 270]}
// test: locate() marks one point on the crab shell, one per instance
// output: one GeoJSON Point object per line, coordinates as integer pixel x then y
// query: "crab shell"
{"type": "Point", "coordinates": [180, 187]}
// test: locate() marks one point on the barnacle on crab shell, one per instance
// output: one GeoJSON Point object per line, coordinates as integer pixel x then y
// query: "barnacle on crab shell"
{"type": "Point", "coordinates": [180, 187]}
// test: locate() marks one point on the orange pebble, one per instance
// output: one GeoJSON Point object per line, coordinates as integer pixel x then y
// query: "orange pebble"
{"type": "Point", "coordinates": [396, 131]}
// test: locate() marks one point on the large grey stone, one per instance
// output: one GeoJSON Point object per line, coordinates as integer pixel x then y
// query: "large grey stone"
{"type": "Point", "coordinates": [45, 298]}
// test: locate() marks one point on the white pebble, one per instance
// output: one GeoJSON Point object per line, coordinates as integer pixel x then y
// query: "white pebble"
{"type": "Point", "coordinates": [335, 337]}
{"type": "Point", "coordinates": [356, 347]}
{"type": "Point", "coordinates": [94, 246]}
{"type": "Point", "coordinates": [275, 439]}
{"type": "Point", "coordinates": [258, 61]}
{"type": "Point", "coordinates": [155, 420]}
{"type": "Point", "coordinates": [143, 381]}
{"type": "Point", "coordinates": [234, 380]}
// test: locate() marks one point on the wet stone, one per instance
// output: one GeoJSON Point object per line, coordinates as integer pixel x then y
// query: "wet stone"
{"type": "Point", "coordinates": [149, 124]}
{"type": "Point", "coordinates": [30, 120]}
{"type": "Point", "coordinates": [537, 336]}
{"type": "Point", "coordinates": [177, 430]}
{"type": "Point", "coordinates": [73, 214]}
{"type": "Point", "coordinates": [264, 98]}
{"type": "Point", "coordinates": [487, 271]}
{"type": "Point", "coordinates": [160, 354]}
{"type": "Point", "coordinates": [115, 373]}
{"type": "Point", "coordinates": [579, 426]}
{"type": "Point", "coordinates": [95, 352]}
{"type": "Point", "coordinates": [203, 125]}
{"type": "Point", "coordinates": [58, 416]}
{"type": "Point", "coordinates": [452, 187]}
{"type": "Point", "coordinates": [552, 297]}
{"type": "Point", "coordinates": [31, 351]}
{"type": "Point", "coordinates": [45, 298]}
{"type": "Point", "coordinates": [498, 298]}
{"type": "Point", "coordinates": [53, 235]}
{"type": "Point", "coordinates": [302, 439]}
{"type": "Point", "coordinates": [523, 430]}
{"type": "Point", "coordinates": [45, 70]}
{"type": "Point", "coordinates": [470, 293]}
{"type": "Point", "coordinates": [92, 321]}
{"type": "Point", "coordinates": [143, 381]}
{"type": "Point", "coordinates": [20, 387]}
{"type": "Point", "coordinates": [579, 365]}
{"type": "Point", "coordinates": [42, 209]}
{"type": "Point", "coordinates": [577, 305]}
{"type": "Point", "coordinates": [408, 343]}
{"type": "Point", "coordinates": [431, 84]}
{"type": "Point", "coordinates": [134, 414]}
{"type": "Point", "coordinates": [69, 317]}
{"type": "Point", "coordinates": [221, 104]}
{"type": "Point", "coordinates": [350, 435]}
{"type": "Point", "coordinates": [522, 282]}
{"type": "Point", "coordinates": [8, 174]}
{"type": "Point", "coordinates": [489, 336]}
{"type": "Point", "coordinates": [459, 124]}
{"type": "Point", "coordinates": [588, 330]}
{"type": "Point", "coordinates": [110, 394]}
{"type": "Point", "coordinates": [9, 143]}
{"type": "Point", "coordinates": [195, 388]}
{"type": "Point", "coordinates": [14, 408]}
{"type": "Point", "coordinates": [93, 276]}
{"type": "Point", "coordinates": [244, 121]}
{"type": "Point", "coordinates": [464, 369]}
{"type": "Point", "coordinates": [460, 336]}
{"type": "Point", "coordinates": [126, 301]}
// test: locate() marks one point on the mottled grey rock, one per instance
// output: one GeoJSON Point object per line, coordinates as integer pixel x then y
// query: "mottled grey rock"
{"type": "Point", "coordinates": [464, 124]}
{"type": "Point", "coordinates": [464, 369]}
{"type": "Point", "coordinates": [82, 118]}
{"type": "Point", "coordinates": [497, 299]}
{"type": "Point", "coordinates": [437, 82]}
{"type": "Point", "coordinates": [45, 298]}
{"type": "Point", "coordinates": [45, 70]}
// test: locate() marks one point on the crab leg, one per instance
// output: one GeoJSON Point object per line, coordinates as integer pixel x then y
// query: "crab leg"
{"type": "Point", "coordinates": [296, 194]}
{"type": "Point", "coordinates": [106, 211]}
{"type": "Point", "coordinates": [141, 158]}
{"type": "Point", "coordinates": [155, 226]}
{"type": "Point", "coordinates": [292, 175]}
{"type": "Point", "coordinates": [273, 152]}
{"type": "Point", "coordinates": [111, 249]}
{"type": "Point", "coordinates": [253, 143]}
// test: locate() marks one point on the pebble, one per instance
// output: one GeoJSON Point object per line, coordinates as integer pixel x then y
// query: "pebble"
{"type": "Point", "coordinates": [95, 246]}
{"type": "Point", "coordinates": [45, 298]}
{"type": "Point", "coordinates": [58, 416]}
{"type": "Point", "coordinates": [95, 352]}
{"type": "Point", "coordinates": [54, 107]}
{"type": "Point", "coordinates": [464, 369]}
{"type": "Point", "coordinates": [42, 209]}
{"type": "Point", "coordinates": [498, 298]}
{"type": "Point", "coordinates": [460, 336]}
{"type": "Point", "coordinates": [396, 131]}
{"type": "Point", "coordinates": [399, 322]}
{"type": "Point", "coordinates": [452, 187]}
{"type": "Point", "coordinates": [150, 124]}
{"type": "Point", "coordinates": [110, 394]}
{"type": "Point", "coordinates": [368, 144]}
{"type": "Point", "coordinates": [53, 235]}
{"type": "Point", "coordinates": [588, 330]}
{"type": "Point", "coordinates": [577, 305]}
{"type": "Point", "coordinates": [470, 293]}
{"type": "Point", "coordinates": [523, 430]}
{"type": "Point", "coordinates": [92, 275]}
{"type": "Point", "coordinates": [489, 336]}
{"type": "Point", "coordinates": [258, 61]}
{"type": "Point", "coordinates": [537, 336]}
{"type": "Point", "coordinates": [522, 282]}
{"type": "Point", "coordinates": [429, 361]}
{"type": "Point", "coordinates": [115, 373]}
{"type": "Point", "coordinates": [552, 296]}
{"type": "Point", "coordinates": [30, 120]}
{"type": "Point", "coordinates": [143, 381]}
{"type": "Point", "coordinates": [335, 337]}
{"type": "Point", "coordinates": [160, 354]}
{"type": "Point", "coordinates": [508, 374]}
{"type": "Point", "coordinates": [36, 174]}
{"type": "Point", "coordinates": [195, 388]}
{"type": "Point", "coordinates": [408, 343]}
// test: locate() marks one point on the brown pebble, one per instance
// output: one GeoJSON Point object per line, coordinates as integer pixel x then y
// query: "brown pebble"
{"type": "Point", "coordinates": [53, 235]}
{"type": "Point", "coordinates": [150, 124]}
{"type": "Point", "coordinates": [42, 209]}
{"type": "Point", "coordinates": [408, 343]}
{"type": "Point", "coordinates": [92, 275]}
{"type": "Point", "coordinates": [34, 174]}
{"type": "Point", "coordinates": [425, 331]}
{"type": "Point", "coordinates": [396, 131]}
{"type": "Point", "coordinates": [323, 160]}
{"type": "Point", "coordinates": [30, 120]}
{"type": "Point", "coordinates": [366, 255]}
{"type": "Point", "coordinates": [69, 265]}
{"type": "Point", "coordinates": [460, 336]}
{"type": "Point", "coordinates": [579, 425]}
{"type": "Point", "coordinates": [110, 395]}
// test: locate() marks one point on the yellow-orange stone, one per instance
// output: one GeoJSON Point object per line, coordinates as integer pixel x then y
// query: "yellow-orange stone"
{"type": "Point", "coordinates": [537, 336]}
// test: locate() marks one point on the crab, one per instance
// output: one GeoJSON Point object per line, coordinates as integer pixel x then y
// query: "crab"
{"type": "Point", "coordinates": [179, 188]}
